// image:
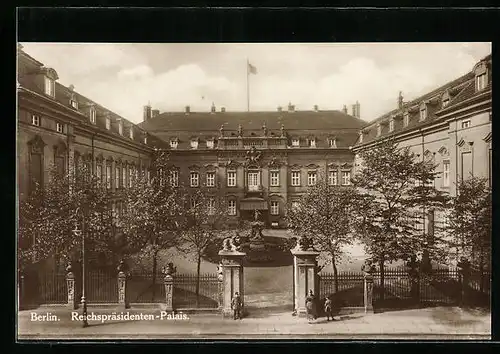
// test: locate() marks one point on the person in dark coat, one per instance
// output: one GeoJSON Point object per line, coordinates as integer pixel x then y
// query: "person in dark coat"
{"type": "Point", "coordinates": [311, 306]}
{"type": "Point", "coordinates": [236, 306]}
{"type": "Point", "coordinates": [328, 309]}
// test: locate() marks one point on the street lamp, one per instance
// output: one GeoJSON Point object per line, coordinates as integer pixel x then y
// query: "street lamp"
{"type": "Point", "coordinates": [81, 232]}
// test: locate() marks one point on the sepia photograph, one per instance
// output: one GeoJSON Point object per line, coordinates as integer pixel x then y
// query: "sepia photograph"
{"type": "Point", "coordinates": [254, 190]}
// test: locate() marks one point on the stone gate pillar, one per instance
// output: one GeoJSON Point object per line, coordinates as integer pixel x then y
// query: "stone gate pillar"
{"type": "Point", "coordinates": [305, 279]}
{"type": "Point", "coordinates": [232, 273]}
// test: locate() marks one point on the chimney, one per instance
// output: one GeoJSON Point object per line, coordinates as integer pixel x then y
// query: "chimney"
{"type": "Point", "coordinates": [212, 109]}
{"type": "Point", "coordinates": [155, 113]}
{"type": "Point", "coordinates": [187, 109]}
{"type": "Point", "coordinates": [223, 109]}
{"type": "Point", "coordinates": [280, 109]}
{"type": "Point", "coordinates": [71, 88]}
{"type": "Point", "coordinates": [147, 112]}
{"type": "Point", "coordinates": [291, 107]}
{"type": "Point", "coordinates": [344, 109]}
{"type": "Point", "coordinates": [355, 110]}
{"type": "Point", "coordinates": [400, 100]}
{"type": "Point", "coordinates": [315, 108]}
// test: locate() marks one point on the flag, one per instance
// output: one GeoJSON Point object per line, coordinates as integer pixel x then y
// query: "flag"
{"type": "Point", "coordinates": [252, 69]}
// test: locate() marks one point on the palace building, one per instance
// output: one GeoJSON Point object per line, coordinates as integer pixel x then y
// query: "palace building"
{"type": "Point", "coordinates": [260, 160]}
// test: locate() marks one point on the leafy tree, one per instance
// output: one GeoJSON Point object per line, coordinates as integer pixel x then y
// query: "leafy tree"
{"type": "Point", "coordinates": [326, 215]}
{"type": "Point", "coordinates": [397, 188]}
{"type": "Point", "coordinates": [152, 213]}
{"type": "Point", "coordinates": [48, 216]}
{"type": "Point", "coordinates": [203, 226]}
{"type": "Point", "coordinates": [470, 221]}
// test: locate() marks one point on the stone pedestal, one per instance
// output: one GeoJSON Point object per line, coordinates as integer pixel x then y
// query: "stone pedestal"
{"type": "Point", "coordinates": [122, 286]}
{"type": "Point", "coordinates": [168, 282]}
{"type": "Point", "coordinates": [305, 264]}
{"type": "Point", "coordinates": [368, 293]}
{"type": "Point", "coordinates": [232, 273]}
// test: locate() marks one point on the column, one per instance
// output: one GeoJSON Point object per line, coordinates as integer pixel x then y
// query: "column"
{"type": "Point", "coordinates": [305, 264]}
{"type": "Point", "coordinates": [70, 284]}
{"type": "Point", "coordinates": [122, 285]}
{"type": "Point", "coordinates": [232, 273]}
{"type": "Point", "coordinates": [368, 269]}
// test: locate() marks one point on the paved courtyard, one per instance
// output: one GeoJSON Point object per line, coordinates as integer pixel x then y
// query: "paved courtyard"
{"type": "Point", "coordinates": [429, 323]}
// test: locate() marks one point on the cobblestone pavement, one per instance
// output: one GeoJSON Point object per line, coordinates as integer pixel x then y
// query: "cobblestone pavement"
{"type": "Point", "coordinates": [429, 323]}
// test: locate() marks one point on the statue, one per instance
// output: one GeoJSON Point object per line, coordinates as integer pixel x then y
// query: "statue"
{"type": "Point", "coordinates": [169, 270]}
{"type": "Point", "coordinates": [252, 155]}
{"type": "Point", "coordinates": [304, 243]}
{"type": "Point", "coordinates": [367, 267]}
{"type": "Point", "coordinates": [220, 272]}
{"type": "Point", "coordinates": [264, 127]}
{"type": "Point", "coordinates": [232, 244]}
{"type": "Point", "coordinates": [256, 215]}
{"type": "Point", "coordinates": [282, 130]}
{"type": "Point", "coordinates": [240, 130]}
{"type": "Point", "coordinates": [221, 129]}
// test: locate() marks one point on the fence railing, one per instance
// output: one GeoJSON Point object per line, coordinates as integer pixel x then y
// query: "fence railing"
{"type": "Point", "coordinates": [185, 291]}
{"type": "Point", "coordinates": [142, 288]}
{"type": "Point", "coordinates": [350, 288]}
{"type": "Point", "coordinates": [101, 287]}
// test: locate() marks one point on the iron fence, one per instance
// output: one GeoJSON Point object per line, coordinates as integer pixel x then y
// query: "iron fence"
{"type": "Point", "coordinates": [184, 293]}
{"type": "Point", "coordinates": [101, 287]}
{"type": "Point", "coordinates": [142, 288]}
{"type": "Point", "coordinates": [52, 288]}
{"type": "Point", "coordinates": [350, 288]}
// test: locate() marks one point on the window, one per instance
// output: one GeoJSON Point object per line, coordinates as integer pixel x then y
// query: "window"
{"type": "Point", "coordinates": [120, 127]}
{"type": "Point", "coordinates": [194, 179]}
{"type": "Point", "coordinates": [211, 206]}
{"type": "Point", "coordinates": [346, 178]}
{"type": "Point", "coordinates": [423, 113]}
{"type": "Point", "coordinates": [210, 144]}
{"type": "Point", "coordinates": [446, 173]}
{"type": "Point", "coordinates": [131, 133]}
{"type": "Point", "coordinates": [74, 104]}
{"type": "Point", "coordinates": [406, 119]}
{"type": "Point", "coordinates": [50, 87]}
{"type": "Point", "coordinates": [92, 115]}
{"type": "Point", "coordinates": [253, 181]}
{"type": "Point", "coordinates": [275, 207]}
{"type": "Point", "coordinates": [99, 173]}
{"type": "Point", "coordinates": [295, 142]}
{"type": "Point", "coordinates": [312, 143]}
{"type": "Point", "coordinates": [231, 178]}
{"type": "Point", "coordinates": [379, 129]}
{"type": "Point", "coordinates": [108, 177]}
{"type": "Point", "coordinates": [446, 102]}
{"type": "Point", "coordinates": [210, 179]}
{"type": "Point", "coordinates": [192, 203]}
{"type": "Point", "coordinates": [466, 124]}
{"type": "Point", "coordinates": [117, 177]}
{"type": "Point", "coordinates": [332, 178]}
{"type": "Point", "coordinates": [35, 120]}
{"type": "Point", "coordinates": [311, 178]}
{"type": "Point", "coordinates": [275, 178]}
{"type": "Point", "coordinates": [174, 178]}
{"type": "Point", "coordinates": [360, 137]}
{"type": "Point", "coordinates": [194, 144]}
{"type": "Point", "coordinates": [108, 123]}
{"type": "Point", "coordinates": [124, 176]}
{"type": "Point", "coordinates": [145, 139]}
{"type": "Point", "coordinates": [173, 144]}
{"type": "Point", "coordinates": [481, 81]}
{"type": "Point", "coordinates": [59, 127]}
{"type": "Point", "coordinates": [391, 125]}
{"type": "Point", "coordinates": [295, 178]}
{"type": "Point", "coordinates": [130, 175]}
{"type": "Point", "coordinates": [231, 207]}
{"type": "Point", "coordinates": [333, 143]}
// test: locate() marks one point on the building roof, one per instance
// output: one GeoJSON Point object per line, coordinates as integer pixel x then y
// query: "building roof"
{"type": "Point", "coordinates": [297, 124]}
{"type": "Point", "coordinates": [458, 90]}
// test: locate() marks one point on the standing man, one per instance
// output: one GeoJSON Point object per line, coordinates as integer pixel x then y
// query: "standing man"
{"type": "Point", "coordinates": [328, 309]}
{"type": "Point", "coordinates": [236, 306]}
{"type": "Point", "coordinates": [310, 306]}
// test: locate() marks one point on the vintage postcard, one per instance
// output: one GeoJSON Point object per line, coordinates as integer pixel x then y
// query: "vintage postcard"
{"type": "Point", "coordinates": [254, 190]}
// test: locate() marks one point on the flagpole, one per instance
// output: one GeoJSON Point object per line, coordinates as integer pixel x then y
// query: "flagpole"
{"type": "Point", "coordinates": [248, 88]}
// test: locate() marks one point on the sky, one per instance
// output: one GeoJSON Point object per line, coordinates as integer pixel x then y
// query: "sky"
{"type": "Point", "coordinates": [124, 77]}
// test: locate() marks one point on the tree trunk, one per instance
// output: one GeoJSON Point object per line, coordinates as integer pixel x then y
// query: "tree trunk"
{"type": "Point", "coordinates": [198, 269]}
{"type": "Point", "coordinates": [335, 275]}
{"type": "Point", "coordinates": [382, 289]}
{"type": "Point", "coordinates": [155, 266]}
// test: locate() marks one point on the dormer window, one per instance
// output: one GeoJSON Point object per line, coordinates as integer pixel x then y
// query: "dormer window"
{"type": "Point", "coordinates": [145, 139]}
{"type": "Point", "coordinates": [423, 112]}
{"type": "Point", "coordinates": [194, 144]}
{"type": "Point", "coordinates": [481, 81]}
{"type": "Point", "coordinates": [379, 129]}
{"type": "Point", "coordinates": [406, 119]}
{"type": "Point", "coordinates": [333, 142]}
{"type": "Point", "coordinates": [312, 143]}
{"type": "Point", "coordinates": [391, 125]}
{"type": "Point", "coordinates": [131, 132]}
{"type": "Point", "coordinates": [446, 102]}
{"type": "Point", "coordinates": [50, 87]}
{"type": "Point", "coordinates": [120, 127]}
{"type": "Point", "coordinates": [73, 102]}
{"type": "Point", "coordinates": [108, 123]}
{"type": "Point", "coordinates": [92, 115]}
{"type": "Point", "coordinates": [361, 136]}
{"type": "Point", "coordinates": [35, 120]}
{"type": "Point", "coordinates": [295, 142]}
{"type": "Point", "coordinates": [173, 143]}
{"type": "Point", "coordinates": [210, 144]}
